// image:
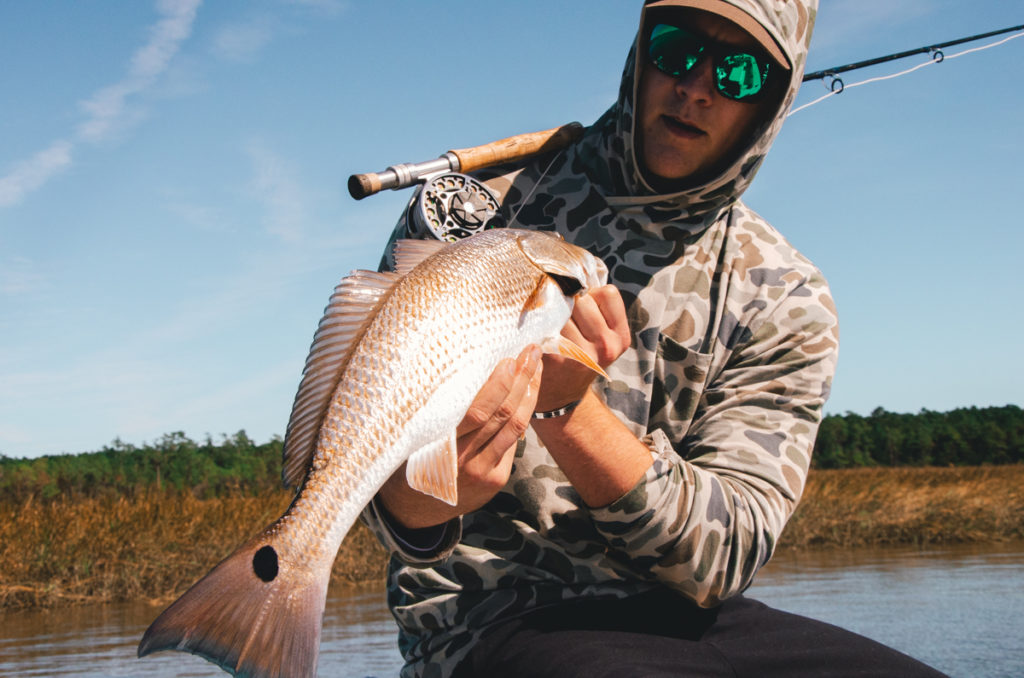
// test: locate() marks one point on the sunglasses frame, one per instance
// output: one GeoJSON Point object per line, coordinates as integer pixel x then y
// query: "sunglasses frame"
{"type": "Point", "coordinates": [718, 52]}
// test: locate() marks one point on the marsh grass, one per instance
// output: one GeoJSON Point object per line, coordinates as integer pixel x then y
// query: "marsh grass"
{"type": "Point", "coordinates": [154, 545]}
{"type": "Point", "coordinates": [875, 506]}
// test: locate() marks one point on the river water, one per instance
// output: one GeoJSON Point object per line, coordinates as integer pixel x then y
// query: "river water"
{"type": "Point", "coordinates": [958, 609]}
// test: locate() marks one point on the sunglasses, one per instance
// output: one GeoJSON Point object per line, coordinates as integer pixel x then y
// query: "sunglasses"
{"type": "Point", "coordinates": [738, 75]}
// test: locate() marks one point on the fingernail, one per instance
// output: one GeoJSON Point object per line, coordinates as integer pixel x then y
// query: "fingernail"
{"type": "Point", "coordinates": [533, 358]}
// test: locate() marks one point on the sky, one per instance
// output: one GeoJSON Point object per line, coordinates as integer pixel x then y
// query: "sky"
{"type": "Point", "coordinates": [173, 210]}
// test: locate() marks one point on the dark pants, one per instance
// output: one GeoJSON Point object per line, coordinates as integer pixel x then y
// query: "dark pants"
{"type": "Point", "coordinates": [660, 634]}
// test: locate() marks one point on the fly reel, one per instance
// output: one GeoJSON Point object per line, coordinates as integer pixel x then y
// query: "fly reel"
{"type": "Point", "coordinates": [452, 206]}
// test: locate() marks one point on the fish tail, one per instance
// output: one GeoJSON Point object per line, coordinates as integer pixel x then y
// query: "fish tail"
{"type": "Point", "coordinates": [252, 615]}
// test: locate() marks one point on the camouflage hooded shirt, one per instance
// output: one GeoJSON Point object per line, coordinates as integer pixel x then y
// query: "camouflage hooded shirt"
{"type": "Point", "coordinates": [734, 347]}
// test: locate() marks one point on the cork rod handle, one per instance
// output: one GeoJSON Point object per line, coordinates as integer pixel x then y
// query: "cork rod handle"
{"type": "Point", "coordinates": [467, 159]}
{"type": "Point", "coordinates": [517, 147]}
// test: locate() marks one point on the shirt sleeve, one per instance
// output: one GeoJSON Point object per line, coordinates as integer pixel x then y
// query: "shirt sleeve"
{"type": "Point", "coordinates": [708, 513]}
{"type": "Point", "coordinates": [417, 548]}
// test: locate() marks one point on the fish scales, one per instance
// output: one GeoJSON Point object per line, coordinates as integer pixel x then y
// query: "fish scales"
{"type": "Point", "coordinates": [406, 381]}
{"type": "Point", "coordinates": [379, 394]}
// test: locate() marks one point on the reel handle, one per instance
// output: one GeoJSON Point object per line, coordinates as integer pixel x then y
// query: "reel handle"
{"type": "Point", "coordinates": [466, 159]}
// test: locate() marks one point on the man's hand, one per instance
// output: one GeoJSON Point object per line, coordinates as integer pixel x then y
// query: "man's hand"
{"type": "Point", "coordinates": [599, 455]}
{"type": "Point", "coordinates": [487, 437]}
{"type": "Point", "coordinates": [600, 327]}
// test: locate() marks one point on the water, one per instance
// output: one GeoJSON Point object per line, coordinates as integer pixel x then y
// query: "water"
{"type": "Point", "coordinates": [98, 641]}
{"type": "Point", "coordinates": [958, 609]}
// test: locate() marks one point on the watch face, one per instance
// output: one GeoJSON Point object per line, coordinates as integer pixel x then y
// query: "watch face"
{"type": "Point", "coordinates": [453, 206]}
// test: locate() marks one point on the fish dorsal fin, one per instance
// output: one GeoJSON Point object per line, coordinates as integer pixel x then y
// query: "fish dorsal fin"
{"type": "Point", "coordinates": [410, 253]}
{"type": "Point", "coordinates": [434, 470]}
{"type": "Point", "coordinates": [355, 303]}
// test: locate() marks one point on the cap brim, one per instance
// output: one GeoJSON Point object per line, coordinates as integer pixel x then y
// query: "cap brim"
{"type": "Point", "coordinates": [735, 15]}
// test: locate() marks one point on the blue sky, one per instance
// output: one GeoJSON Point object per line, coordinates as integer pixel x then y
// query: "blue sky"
{"type": "Point", "coordinates": [173, 212]}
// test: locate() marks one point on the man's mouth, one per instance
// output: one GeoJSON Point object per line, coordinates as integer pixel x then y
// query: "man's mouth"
{"type": "Point", "coordinates": [681, 128]}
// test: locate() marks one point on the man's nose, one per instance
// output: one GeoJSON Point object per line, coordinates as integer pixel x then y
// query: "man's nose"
{"type": "Point", "coordinates": [697, 84]}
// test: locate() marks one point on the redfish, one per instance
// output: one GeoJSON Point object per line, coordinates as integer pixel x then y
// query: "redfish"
{"type": "Point", "coordinates": [395, 363]}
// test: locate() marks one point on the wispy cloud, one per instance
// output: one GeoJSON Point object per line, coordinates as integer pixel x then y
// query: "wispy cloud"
{"type": "Point", "coordinates": [107, 111]}
{"type": "Point", "coordinates": [106, 108]}
{"type": "Point", "coordinates": [30, 174]}
{"type": "Point", "coordinates": [276, 185]}
{"type": "Point", "coordinates": [242, 42]}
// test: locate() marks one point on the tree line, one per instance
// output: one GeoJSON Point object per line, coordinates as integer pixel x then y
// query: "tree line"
{"type": "Point", "coordinates": [235, 464]}
{"type": "Point", "coordinates": [963, 437]}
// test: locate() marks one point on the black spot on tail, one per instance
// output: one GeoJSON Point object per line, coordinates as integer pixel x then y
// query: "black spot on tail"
{"type": "Point", "coordinates": [264, 563]}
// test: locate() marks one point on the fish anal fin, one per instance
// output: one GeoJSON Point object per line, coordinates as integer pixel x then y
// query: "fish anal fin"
{"type": "Point", "coordinates": [254, 614]}
{"type": "Point", "coordinates": [433, 470]}
{"type": "Point", "coordinates": [567, 348]}
{"type": "Point", "coordinates": [351, 309]}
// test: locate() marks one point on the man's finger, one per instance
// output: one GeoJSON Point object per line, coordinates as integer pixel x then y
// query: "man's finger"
{"type": "Point", "coordinates": [498, 399]}
{"type": "Point", "coordinates": [588, 319]}
{"type": "Point", "coordinates": [496, 451]}
{"type": "Point", "coordinates": [613, 308]}
{"type": "Point", "coordinates": [494, 392]}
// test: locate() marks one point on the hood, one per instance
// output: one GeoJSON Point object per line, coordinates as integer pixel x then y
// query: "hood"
{"type": "Point", "coordinates": [593, 193]}
{"type": "Point", "coordinates": [613, 136]}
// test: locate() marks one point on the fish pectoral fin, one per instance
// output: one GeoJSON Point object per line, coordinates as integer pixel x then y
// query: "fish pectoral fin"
{"type": "Point", "coordinates": [434, 470]}
{"type": "Point", "coordinates": [536, 298]}
{"type": "Point", "coordinates": [567, 348]}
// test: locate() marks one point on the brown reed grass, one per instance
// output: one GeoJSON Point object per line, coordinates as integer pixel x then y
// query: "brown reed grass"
{"type": "Point", "coordinates": [155, 545]}
{"type": "Point", "coordinates": [875, 506]}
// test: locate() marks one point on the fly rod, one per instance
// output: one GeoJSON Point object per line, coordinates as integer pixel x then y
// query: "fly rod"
{"type": "Point", "coordinates": [466, 159]}
{"type": "Point", "coordinates": [934, 50]}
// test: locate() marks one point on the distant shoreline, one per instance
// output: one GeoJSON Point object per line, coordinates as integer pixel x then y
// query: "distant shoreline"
{"type": "Point", "coordinates": [154, 545]}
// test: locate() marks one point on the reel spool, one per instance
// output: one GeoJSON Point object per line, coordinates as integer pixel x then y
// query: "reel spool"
{"type": "Point", "coordinates": [452, 206]}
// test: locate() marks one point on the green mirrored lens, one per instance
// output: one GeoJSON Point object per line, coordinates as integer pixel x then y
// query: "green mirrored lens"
{"type": "Point", "coordinates": [673, 50]}
{"type": "Point", "coordinates": [739, 76]}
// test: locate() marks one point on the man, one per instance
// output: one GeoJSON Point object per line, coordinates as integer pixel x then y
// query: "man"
{"type": "Point", "coordinates": [617, 539]}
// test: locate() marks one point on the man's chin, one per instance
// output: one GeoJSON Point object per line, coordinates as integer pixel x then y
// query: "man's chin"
{"type": "Point", "coordinates": [667, 177]}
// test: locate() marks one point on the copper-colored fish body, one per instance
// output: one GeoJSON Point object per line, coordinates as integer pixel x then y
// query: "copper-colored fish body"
{"type": "Point", "coordinates": [394, 365]}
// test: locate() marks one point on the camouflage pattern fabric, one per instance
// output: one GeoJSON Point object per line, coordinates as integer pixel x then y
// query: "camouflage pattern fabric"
{"type": "Point", "coordinates": [735, 340]}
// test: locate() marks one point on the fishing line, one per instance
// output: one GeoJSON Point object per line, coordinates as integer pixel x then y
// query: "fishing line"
{"type": "Point", "coordinates": [512, 219]}
{"type": "Point", "coordinates": [935, 51]}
